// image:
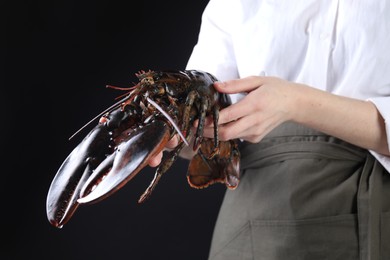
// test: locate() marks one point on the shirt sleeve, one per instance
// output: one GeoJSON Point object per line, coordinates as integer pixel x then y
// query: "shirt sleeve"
{"type": "Point", "coordinates": [214, 51]}
{"type": "Point", "coordinates": [383, 106]}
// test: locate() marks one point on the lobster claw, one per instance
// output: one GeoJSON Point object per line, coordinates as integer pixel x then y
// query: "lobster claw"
{"type": "Point", "coordinates": [65, 188]}
{"type": "Point", "coordinates": [129, 158]}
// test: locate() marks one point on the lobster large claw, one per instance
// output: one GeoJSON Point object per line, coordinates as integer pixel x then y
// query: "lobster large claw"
{"type": "Point", "coordinates": [65, 188]}
{"type": "Point", "coordinates": [130, 157]}
{"type": "Point", "coordinates": [113, 148]}
{"type": "Point", "coordinates": [87, 175]}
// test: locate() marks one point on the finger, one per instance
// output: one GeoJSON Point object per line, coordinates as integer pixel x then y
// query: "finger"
{"type": "Point", "coordinates": [208, 132]}
{"type": "Point", "coordinates": [240, 85]}
{"type": "Point", "coordinates": [228, 131]}
{"type": "Point", "coordinates": [257, 131]}
{"type": "Point", "coordinates": [156, 160]}
{"type": "Point", "coordinates": [173, 142]}
{"type": "Point", "coordinates": [226, 116]}
{"type": "Point", "coordinates": [236, 111]}
{"type": "Point", "coordinates": [236, 129]}
{"type": "Point", "coordinates": [249, 127]}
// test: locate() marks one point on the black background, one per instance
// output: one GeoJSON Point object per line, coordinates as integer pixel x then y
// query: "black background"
{"type": "Point", "coordinates": [56, 59]}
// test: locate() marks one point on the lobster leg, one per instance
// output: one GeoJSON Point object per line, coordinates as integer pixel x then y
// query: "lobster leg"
{"type": "Point", "coordinates": [216, 135]}
{"type": "Point", "coordinates": [130, 157]}
{"type": "Point", "coordinates": [204, 104]}
{"type": "Point", "coordinates": [162, 168]}
{"type": "Point", "coordinates": [187, 112]}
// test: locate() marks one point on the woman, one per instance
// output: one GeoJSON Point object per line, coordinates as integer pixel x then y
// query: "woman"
{"type": "Point", "coordinates": [315, 122]}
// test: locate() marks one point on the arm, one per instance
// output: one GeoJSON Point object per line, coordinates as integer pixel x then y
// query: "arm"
{"type": "Point", "coordinates": [272, 101]}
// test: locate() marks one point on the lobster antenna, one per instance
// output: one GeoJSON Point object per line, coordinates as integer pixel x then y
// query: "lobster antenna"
{"type": "Point", "coordinates": [169, 118]}
{"type": "Point", "coordinates": [99, 115]}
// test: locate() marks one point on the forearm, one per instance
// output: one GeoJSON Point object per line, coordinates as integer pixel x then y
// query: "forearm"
{"type": "Point", "coordinates": [352, 120]}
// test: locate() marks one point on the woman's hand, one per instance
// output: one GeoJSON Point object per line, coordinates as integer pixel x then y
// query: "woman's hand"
{"type": "Point", "coordinates": [270, 101]}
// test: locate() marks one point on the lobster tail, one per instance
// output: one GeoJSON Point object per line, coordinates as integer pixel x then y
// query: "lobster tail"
{"type": "Point", "coordinates": [206, 168]}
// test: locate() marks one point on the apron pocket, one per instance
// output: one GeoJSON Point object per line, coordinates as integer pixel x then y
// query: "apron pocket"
{"type": "Point", "coordinates": [237, 248]}
{"type": "Point", "coordinates": [320, 238]}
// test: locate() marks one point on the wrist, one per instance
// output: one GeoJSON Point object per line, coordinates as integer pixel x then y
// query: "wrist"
{"type": "Point", "coordinates": [300, 103]}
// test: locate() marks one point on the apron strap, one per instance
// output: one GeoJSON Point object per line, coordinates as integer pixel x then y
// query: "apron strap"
{"type": "Point", "coordinates": [369, 209]}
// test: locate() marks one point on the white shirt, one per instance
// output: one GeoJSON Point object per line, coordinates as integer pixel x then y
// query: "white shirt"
{"type": "Point", "coordinates": [339, 46]}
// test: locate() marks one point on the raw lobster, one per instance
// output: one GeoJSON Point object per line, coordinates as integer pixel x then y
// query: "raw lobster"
{"type": "Point", "coordinates": [162, 104]}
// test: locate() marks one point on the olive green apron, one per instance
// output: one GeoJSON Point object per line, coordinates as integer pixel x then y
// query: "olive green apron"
{"type": "Point", "coordinates": [305, 195]}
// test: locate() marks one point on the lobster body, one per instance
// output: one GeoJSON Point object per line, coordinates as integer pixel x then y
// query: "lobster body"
{"type": "Point", "coordinates": [160, 105]}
